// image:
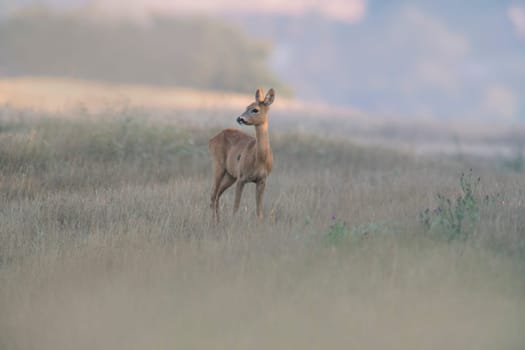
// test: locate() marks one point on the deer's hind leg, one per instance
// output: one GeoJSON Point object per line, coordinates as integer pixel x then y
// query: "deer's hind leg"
{"type": "Point", "coordinates": [218, 174]}
{"type": "Point", "coordinates": [222, 181]}
{"type": "Point", "coordinates": [226, 182]}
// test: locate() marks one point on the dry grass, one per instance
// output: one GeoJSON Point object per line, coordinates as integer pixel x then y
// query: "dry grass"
{"type": "Point", "coordinates": [106, 243]}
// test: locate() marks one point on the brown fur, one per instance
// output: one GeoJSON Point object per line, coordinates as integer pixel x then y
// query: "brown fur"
{"type": "Point", "coordinates": [239, 157]}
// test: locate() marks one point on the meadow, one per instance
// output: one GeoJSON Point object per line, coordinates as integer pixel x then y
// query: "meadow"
{"type": "Point", "coordinates": [107, 242]}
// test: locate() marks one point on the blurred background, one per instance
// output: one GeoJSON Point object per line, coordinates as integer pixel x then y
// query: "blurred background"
{"type": "Point", "coordinates": [422, 74]}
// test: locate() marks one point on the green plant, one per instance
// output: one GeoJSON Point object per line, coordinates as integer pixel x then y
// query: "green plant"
{"type": "Point", "coordinates": [455, 218]}
{"type": "Point", "coordinates": [339, 232]}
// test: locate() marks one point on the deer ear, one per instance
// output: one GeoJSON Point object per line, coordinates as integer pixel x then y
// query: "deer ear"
{"type": "Point", "coordinates": [259, 95]}
{"type": "Point", "coordinates": [270, 96]}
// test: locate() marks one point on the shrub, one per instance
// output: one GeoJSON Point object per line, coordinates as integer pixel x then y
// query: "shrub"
{"type": "Point", "coordinates": [455, 218]}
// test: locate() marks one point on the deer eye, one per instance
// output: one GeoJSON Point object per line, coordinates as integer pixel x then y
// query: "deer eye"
{"type": "Point", "coordinates": [255, 110]}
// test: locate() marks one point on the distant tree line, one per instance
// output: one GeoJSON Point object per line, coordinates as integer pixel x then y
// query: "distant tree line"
{"type": "Point", "coordinates": [186, 51]}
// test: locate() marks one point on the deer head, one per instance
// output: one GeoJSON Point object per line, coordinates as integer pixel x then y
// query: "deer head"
{"type": "Point", "coordinates": [257, 112]}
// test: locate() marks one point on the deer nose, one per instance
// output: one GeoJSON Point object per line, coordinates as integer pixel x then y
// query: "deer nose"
{"type": "Point", "coordinates": [241, 121]}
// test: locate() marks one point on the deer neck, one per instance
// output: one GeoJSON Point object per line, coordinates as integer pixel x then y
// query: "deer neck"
{"type": "Point", "coordinates": [263, 151]}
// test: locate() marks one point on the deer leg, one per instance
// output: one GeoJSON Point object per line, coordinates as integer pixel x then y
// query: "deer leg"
{"type": "Point", "coordinates": [227, 181]}
{"type": "Point", "coordinates": [238, 193]}
{"type": "Point", "coordinates": [259, 195]}
{"type": "Point", "coordinates": [219, 174]}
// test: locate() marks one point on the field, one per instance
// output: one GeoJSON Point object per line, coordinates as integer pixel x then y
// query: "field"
{"type": "Point", "coordinates": [107, 242]}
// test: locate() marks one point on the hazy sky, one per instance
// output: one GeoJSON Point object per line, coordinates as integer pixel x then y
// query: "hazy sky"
{"type": "Point", "coordinates": [352, 11]}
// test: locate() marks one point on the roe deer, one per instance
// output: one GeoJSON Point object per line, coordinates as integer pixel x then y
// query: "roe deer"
{"type": "Point", "coordinates": [240, 157]}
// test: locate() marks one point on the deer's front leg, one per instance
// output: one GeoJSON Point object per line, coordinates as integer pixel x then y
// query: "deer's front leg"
{"type": "Point", "coordinates": [259, 195]}
{"type": "Point", "coordinates": [238, 193]}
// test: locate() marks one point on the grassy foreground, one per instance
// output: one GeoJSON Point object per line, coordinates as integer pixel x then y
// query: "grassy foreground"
{"type": "Point", "coordinates": [106, 243]}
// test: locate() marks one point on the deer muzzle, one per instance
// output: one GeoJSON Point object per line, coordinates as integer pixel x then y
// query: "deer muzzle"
{"type": "Point", "coordinates": [241, 121]}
